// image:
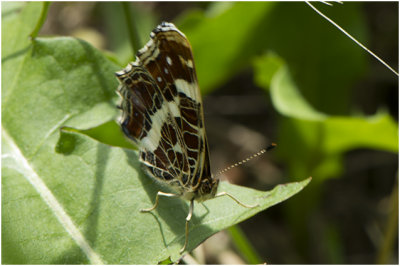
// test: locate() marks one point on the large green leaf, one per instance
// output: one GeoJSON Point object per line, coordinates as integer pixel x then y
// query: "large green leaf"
{"type": "Point", "coordinates": [67, 198]}
{"type": "Point", "coordinates": [100, 189]}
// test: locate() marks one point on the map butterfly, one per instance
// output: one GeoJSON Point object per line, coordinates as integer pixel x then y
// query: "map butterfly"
{"type": "Point", "coordinates": [162, 113]}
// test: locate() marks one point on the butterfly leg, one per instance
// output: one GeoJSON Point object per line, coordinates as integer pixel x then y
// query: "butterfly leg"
{"type": "Point", "coordinates": [160, 193]}
{"type": "Point", "coordinates": [235, 199]}
{"type": "Point", "coordinates": [188, 218]}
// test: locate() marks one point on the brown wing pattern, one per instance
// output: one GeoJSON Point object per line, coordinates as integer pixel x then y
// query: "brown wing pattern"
{"type": "Point", "coordinates": [162, 110]}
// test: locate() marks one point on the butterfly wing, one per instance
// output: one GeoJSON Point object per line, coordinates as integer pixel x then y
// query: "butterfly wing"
{"type": "Point", "coordinates": [162, 110]}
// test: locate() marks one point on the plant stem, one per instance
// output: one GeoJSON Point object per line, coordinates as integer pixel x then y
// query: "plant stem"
{"type": "Point", "coordinates": [386, 249]}
{"type": "Point", "coordinates": [132, 29]}
{"type": "Point", "coordinates": [244, 246]}
{"type": "Point", "coordinates": [41, 20]}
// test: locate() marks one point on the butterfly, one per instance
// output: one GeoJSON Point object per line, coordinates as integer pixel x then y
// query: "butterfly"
{"type": "Point", "coordinates": [162, 113]}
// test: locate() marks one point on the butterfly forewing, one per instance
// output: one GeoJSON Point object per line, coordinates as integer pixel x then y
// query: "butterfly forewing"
{"type": "Point", "coordinates": [162, 110]}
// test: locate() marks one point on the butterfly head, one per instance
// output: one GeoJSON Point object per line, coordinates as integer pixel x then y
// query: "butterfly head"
{"type": "Point", "coordinates": [208, 188]}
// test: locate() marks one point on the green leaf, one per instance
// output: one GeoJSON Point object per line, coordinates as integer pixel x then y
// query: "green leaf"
{"type": "Point", "coordinates": [287, 99]}
{"type": "Point", "coordinates": [376, 132]}
{"type": "Point", "coordinates": [101, 190]}
{"type": "Point", "coordinates": [61, 82]}
{"type": "Point", "coordinates": [329, 134]}
{"type": "Point", "coordinates": [109, 133]}
{"type": "Point", "coordinates": [266, 67]}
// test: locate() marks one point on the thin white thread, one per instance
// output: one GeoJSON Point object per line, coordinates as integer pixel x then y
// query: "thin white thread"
{"type": "Point", "coordinates": [351, 37]}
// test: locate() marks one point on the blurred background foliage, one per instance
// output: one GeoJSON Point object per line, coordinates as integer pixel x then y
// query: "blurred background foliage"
{"type": "Point", "coordinates": [278, 72]}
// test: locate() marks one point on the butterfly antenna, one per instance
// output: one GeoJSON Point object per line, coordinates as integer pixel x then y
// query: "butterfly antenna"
{"type": "Point", "coordinates": [270, 147]}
